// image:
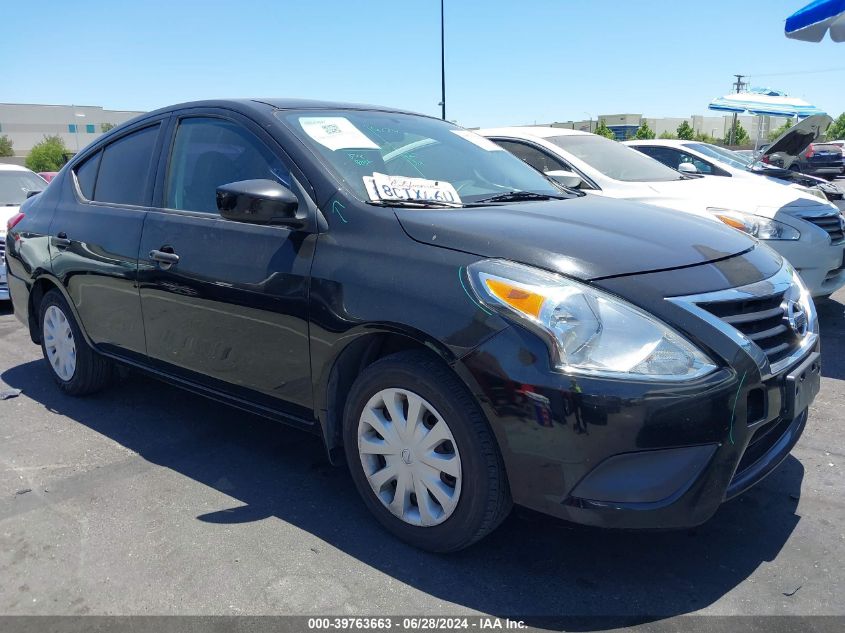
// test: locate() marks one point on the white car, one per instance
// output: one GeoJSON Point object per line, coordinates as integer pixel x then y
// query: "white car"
{"type": "Point", "coordinates": [711, 160]}
{"type": "Point", "coordinates": [15, 184]}
{"type": "Point", "coordinates": [806, 230]}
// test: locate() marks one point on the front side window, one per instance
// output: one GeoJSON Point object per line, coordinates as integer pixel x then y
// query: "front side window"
{"type": "Point", "coordinates": [356, 144]}
{"type": "Point", "coordinates": [125, 168]}
{"type": "Point", "coordinates": [613, 159]}
{"type": "Point", "coordinates": [210, 152]}
{"type": "Point", "coordinates": [15, 184]}
{"type": "Point", "coordinates": [674, 158]}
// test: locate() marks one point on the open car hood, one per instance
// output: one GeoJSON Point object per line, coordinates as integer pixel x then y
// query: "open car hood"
{"type": "Point", "coordinates": [587, 238]}
{"type": "Point", "coordinates": [796, 139]}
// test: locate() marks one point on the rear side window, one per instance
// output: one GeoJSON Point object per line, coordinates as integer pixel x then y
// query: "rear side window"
{"type": "Point", "coordinates": [86, 174]}
{"type": "Point", "coordinates": [125, 168]}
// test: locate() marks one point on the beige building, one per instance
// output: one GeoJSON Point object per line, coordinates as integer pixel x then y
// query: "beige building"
{"type": "Point", "coordinates": [27, 124]}
{"type": "Point", "coordinates": [626, 125]}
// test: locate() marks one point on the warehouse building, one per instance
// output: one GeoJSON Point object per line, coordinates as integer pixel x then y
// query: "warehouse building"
{"type": "Point", "coordinates": [27, 124]}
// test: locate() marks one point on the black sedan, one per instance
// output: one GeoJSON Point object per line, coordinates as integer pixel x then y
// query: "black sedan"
{"type": "Point", "coordinates": [460, 329]}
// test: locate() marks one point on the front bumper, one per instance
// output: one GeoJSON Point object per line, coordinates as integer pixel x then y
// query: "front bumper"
{"type": "Point", "coordinates": [820, 263]}
{"type": "Point", "coordinates": [625, 454]}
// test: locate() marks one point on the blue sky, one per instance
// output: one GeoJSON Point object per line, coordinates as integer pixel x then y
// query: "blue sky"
{"type": "Point", "coordinates": [507, 62]}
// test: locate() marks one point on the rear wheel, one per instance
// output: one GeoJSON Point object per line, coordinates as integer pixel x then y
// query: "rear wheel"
{"type": "Point", "coordinates": [77, 369]}
{"type": "Point", "coordinates": [421, 454]}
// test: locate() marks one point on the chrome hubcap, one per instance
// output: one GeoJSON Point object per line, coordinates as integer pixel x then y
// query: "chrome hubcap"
{"type": "Point", "coordinates": [59, 343]}
{"type": "Point", "coordinates": [409, 457]}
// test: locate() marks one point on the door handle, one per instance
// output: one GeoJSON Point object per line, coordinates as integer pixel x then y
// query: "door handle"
{"type": "Point", "coordinates": [164, 258]}
{"type": "Point", "coordinates": [61, 240]}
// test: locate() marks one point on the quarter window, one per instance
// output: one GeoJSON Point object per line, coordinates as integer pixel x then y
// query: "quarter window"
{"type": "Point", "coordinates": [210, 152]}
{"type": "Point", "coordinates": [86, 175]}
{"type": "Point", "coordinates": [125, 168]}
{"type": "Point", "coordinates": [539, 160]}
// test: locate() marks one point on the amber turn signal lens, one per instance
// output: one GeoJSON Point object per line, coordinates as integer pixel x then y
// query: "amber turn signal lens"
{"type": "Point", "coordinates": [732, 222]}
{"type": "Point", "coordinates": [520, 299]}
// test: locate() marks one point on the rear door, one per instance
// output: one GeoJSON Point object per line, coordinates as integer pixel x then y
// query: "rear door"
{"type": "Point", "coordinates": [95, 233]}
{"type": "Point", "coordinates": [231, 314]}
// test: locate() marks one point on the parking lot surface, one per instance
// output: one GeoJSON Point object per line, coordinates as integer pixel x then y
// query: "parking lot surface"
{"type": "Point", "coordinates": [145, 499]}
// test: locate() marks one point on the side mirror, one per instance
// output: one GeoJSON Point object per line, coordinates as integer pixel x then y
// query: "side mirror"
{"type": "Point", "coordinates": [566, 178]}
{"type": "Point", "coordinates": [688, 168]}
{"type": "Point", "coordinates": [258, 202]}
{"type": "Point", "coordinates": [35, 192]}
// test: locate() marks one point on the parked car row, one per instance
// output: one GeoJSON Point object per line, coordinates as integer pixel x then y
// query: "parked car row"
{"type": "Point", "coordinates": [592, 334]}
{"type": "Point", "coordinates": [803, 226]}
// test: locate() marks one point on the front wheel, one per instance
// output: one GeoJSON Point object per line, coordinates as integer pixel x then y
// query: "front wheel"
{"type": "Point", "coordinates": [77, 369]}
{"type": "Point", "coordinates": [421, 454]}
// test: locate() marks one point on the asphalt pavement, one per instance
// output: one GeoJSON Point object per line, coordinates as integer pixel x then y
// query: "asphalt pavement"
{"type": "Point", "coordinates": [145, 499]}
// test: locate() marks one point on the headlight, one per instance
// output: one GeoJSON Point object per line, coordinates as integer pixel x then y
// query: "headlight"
{"type": "Point", "coordinates": [756, 225]}
{"type": "Point", "coordinates": [589, 331]}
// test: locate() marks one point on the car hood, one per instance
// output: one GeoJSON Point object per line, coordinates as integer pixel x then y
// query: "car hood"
{"type": "Point", "coordinates": [798, 138]}
{"type": "Point", "coordinates": [588, 237]}
{"type": "Point", "coordinates": [696, 195]}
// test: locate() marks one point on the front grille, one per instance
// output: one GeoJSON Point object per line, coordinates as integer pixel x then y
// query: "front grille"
{"type": "Point", "coordinates": [761, 319]}
{"type": "Point", "coordinates": [830, 223]}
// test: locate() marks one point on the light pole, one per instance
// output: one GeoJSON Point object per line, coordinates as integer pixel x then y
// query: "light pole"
{"type": "Point", "coordinates": [591, 120]}
{"type": "Point", "coordinates": [442, 103]}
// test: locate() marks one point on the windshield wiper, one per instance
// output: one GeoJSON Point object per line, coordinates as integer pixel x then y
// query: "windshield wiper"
{"type": "Point", "coordinates": [416, 204]}
{"type": "Point", "coordinates": [519, 196]}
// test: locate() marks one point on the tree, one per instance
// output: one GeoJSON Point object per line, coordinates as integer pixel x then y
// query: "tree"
{"type": "Point", "coordinates": [837, 129]}
{"type": "Point", "coordinates": [105, 127]}
{"type": "Point", "coordinates": [704, 137]}
{"type": "Point", "coordinates": [603, 130]}
{"type": "Point", "coordinates": [667, 135]}
{"type": "Point", "coordinates": [740, 136]}
{"type": "Point", "coordinates": [48, 155]}
{"type": "Point", "coordinates": [685, 132]}
{"type": "Point", "coordinates": [782, 129]}
{"type": "Point", "coordinates": [644, 132]}
{"type": "Point", "coordinates": [6, 146]}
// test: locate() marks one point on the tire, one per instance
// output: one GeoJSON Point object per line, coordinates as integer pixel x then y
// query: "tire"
{"type": "Point", "coordinates": [480, 497]}
{"type": "Point", "coordinates": [90, 372]}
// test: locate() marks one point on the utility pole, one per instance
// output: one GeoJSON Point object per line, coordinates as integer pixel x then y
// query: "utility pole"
{"type": "Point", "coordinates": [739, 84]}
{"type": "Point", "coordinates": [442, 64]}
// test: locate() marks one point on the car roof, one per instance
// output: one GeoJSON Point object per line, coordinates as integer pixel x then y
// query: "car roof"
{"type": "Point", "coordinates": [274, 103]}
{"type": "Point", "coordinates": [539, 131]}
{"type": "Point", "coordinates": [8, 167]}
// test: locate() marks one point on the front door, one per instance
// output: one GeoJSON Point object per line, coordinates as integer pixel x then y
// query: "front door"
{"type": "Point", "coordinates": [231, 313]}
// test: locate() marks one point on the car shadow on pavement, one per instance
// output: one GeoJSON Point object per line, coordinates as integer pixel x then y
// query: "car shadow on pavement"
{"type": "Point", "coordinates": [832, 329]}
{"type": "Point", "coordinates": [549, 573]}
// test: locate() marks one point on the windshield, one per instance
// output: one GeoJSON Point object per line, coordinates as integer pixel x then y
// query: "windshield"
{"type": "Point", "coordinates": [615, 160]}
{"type": "Point", "coordinates": [357, 144]}
{"type": "Point", "coordinates": [725, 156]}
{"type": "Point", "coordinates": [14, 185]}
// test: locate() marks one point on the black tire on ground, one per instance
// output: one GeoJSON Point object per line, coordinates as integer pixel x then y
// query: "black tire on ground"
{"type": "Point", "coordinates": [485, 498]}
{"type": "Point", "coordinates": [93, 372]}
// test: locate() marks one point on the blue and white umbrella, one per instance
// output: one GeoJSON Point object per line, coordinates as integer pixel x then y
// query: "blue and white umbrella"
{"type": "Point", "coordinates": [813, 21]}
{"type": "Point", "coordinates": [764, 102]}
